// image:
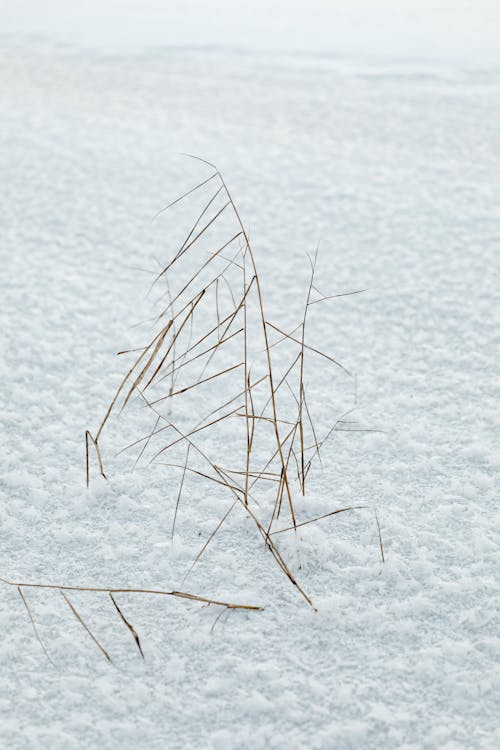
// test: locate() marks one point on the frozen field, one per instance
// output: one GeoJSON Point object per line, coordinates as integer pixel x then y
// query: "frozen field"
{"type": "Point", "coordinates": [395, 168]}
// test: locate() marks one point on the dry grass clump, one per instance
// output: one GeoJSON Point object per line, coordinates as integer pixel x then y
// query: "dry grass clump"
{"type": "Point", "coordinates": [213, 348]}
{"type": "Point", "coordinates": [237, 384]}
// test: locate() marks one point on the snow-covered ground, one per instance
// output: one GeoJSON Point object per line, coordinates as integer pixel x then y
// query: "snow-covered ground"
{"type": "Point", "coordinates": [393, 165]}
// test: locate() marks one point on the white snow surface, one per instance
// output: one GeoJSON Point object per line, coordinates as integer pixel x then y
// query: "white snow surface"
{"type": "Point", "coordinates": [394, 167]}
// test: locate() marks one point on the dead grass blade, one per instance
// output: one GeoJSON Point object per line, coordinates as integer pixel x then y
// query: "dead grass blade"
{"type": "Point", "coordinates": [181, 486]}
{"type": "Point", "coordinates": [193, 229]}
{"type": "Point", "coordinates": [85, 626]}
{"type": "Point", "coordinates": [301, 375]}
{"type": "Point", "coordinates": [117, 590]}
{"type": "Point", "coordinates": [201, 474]}
{"type": "Point", "coordinates": [246, 382]}
{"type": "Point", "coordinates": [318, 518]}
{"type": "Point", "coordinates": [380, 539]}
{"type": "Point", "coordinates": [90, 438]}
{"type": "Point", "coordinates": [214, 532]}
{"type": "Point", "coordinates": [156, 349]}
{"type": "Point", "coordinates": [223, 611]}
{"type": "Point", "coordinates": [310, 348]}
{"type": "Point", "coordinates": [188, 317]}
{"type": "Point", "coordinates": [129, 625]}
{"type": "Point", "coordinates": [271, 459]}
{"type": "Point", "coordinates": [184, 195]}
{"type": "Point", "coordinates": [311, 423]}
{"type": "Point", "coordinates": [125, 379]}
{"type": "Point", "coordinates": [185, 248]}
{"type": "Point", "coordinates": [148, 439]}
{"type": "Point", "coordinates": [33, 625]}
{"type": "Point", "coordinates": [198, 382]}
{"type": "Point", "coordinates": [327, 436]}
{"type": "Point", "coordinates": [334, 296]}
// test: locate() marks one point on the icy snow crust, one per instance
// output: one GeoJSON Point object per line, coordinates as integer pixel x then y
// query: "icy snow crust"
{"type": "Point", "coordinates": [395, 169]}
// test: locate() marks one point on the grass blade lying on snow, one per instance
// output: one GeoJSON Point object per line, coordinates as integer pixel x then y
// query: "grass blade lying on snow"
{"type": "Point", "coordinates": [85, 626]}
{"type": "Point", "coordinates": [129, 625]}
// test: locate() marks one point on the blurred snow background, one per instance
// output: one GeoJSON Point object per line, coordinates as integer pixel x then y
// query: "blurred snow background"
{"type": "Point", "coordinates": [458, 29]}
{"type": "Point", "coordinates": [372, 127]}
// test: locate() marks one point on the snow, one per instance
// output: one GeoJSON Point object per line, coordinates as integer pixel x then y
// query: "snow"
{"type": "Point", "coordinates": [393, 165]}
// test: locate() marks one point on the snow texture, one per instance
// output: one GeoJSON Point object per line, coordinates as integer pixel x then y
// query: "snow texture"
{"type": "Point", "coordinates": [394, 166]}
